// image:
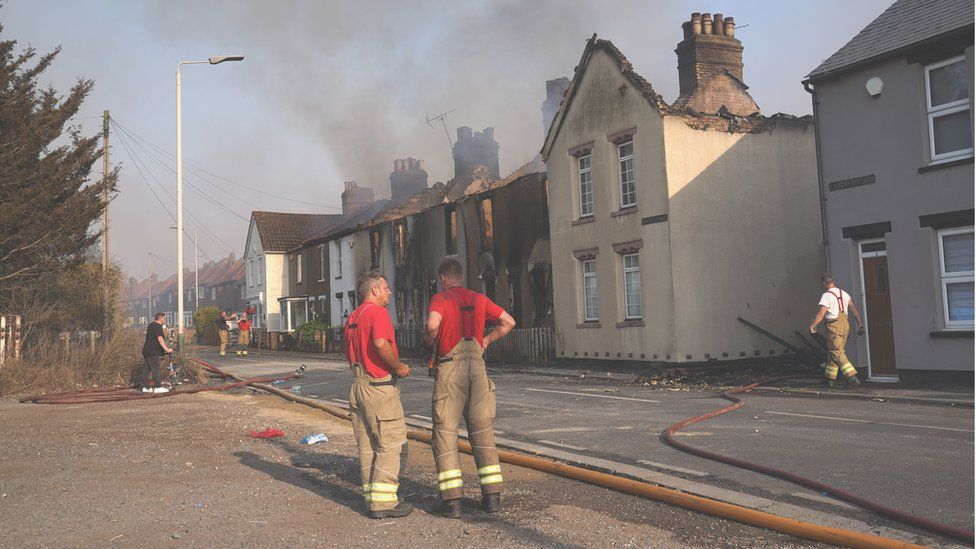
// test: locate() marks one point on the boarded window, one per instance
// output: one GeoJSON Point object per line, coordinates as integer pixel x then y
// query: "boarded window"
{"type": "Point", "coordinates": [450, 227]}
{"type": "Point", "coordinates": [400, 241]}
{"type": "Point", "coordinates": [375, 239]}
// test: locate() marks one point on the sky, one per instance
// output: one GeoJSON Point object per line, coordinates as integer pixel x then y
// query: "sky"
{"type": "Point", "coordinates": [334, 91]}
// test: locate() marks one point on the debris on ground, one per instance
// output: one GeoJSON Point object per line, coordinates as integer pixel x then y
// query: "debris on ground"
{"type": "Point", "coordinates": [267, 433]}
{"type": "Point", "coordinates": [315, 439]}
{"type": "Point", "coordinates": [720, 377]}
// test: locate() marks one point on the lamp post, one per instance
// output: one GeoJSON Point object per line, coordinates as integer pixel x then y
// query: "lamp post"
{"type": "Point", "coordinates": [215, 60]}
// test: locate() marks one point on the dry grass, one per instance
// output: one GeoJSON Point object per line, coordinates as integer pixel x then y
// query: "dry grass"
{"type": "Point", "coordinates": [47, 366]}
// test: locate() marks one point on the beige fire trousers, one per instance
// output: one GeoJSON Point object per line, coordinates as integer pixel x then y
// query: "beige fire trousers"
{"type": "Point", "coordinates": [461, 388]}
{"type": "Point", "coordinates": [243, 339]}
{"type": "Point", "coordinates": [837, 331]}
{"type": "Point", "coordinates": [223, 336]}
{"type": "Point", "coordinates": [381, 436]}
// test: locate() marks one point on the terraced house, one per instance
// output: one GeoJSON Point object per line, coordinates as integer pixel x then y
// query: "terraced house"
{"type": "Point", "coordinates": [668, 221]}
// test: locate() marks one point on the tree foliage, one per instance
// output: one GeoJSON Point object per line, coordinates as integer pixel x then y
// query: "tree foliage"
{"type": "Point", "coordinates": [48, 201]}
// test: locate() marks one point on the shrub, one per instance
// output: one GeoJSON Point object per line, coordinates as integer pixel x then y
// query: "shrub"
{"type": "Point", "coordinates": [205, 316]}
{"type": "Point", "coordinates": [307, 330]}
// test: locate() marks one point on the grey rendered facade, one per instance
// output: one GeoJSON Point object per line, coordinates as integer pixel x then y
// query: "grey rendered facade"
{"type": "Point", "coordinates": [896, 165]}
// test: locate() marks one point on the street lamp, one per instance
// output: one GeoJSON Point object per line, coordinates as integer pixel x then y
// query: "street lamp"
{"type": "Point", "coordinates": [217, 59]}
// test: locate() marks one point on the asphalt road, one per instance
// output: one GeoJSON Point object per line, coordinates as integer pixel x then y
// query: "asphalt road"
{"type": "Point", "coordinates": [918, 458]}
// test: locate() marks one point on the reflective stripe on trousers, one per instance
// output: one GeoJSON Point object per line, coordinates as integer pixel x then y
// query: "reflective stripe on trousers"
{"type": "Point", "coordinates": [381, 436]}
{"type": "Point", "coordinates": [837, 331]}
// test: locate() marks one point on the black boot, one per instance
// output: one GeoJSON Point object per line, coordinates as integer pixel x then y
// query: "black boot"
{"type": "Point", "coordinates": [450, 508]}
{"type": "Point", "coordinates": [401, 510]}
{"type": "Point", "coordinates": [491, 503]}
{"type": "Point", "coordinates": [853, 381]}
{"type": "Point", "coordinates": [829, 383]}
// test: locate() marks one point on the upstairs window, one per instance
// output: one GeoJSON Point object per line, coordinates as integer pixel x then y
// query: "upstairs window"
{"type": "Point", "coordinates": [375, 240]}
{"type": "Point", "coordinates": [338, 261]}
{"type": "Point", "coordinates": [298, 268]}
{"type": "Point", "coordinates": [956, 266]}
{"type": "Point", "coordinates": [322, 266]}
{"type": "Point", "coordinates": [628, 187]}
{"type": "Point", "coordinates": [632, 288]}
{"type": "Point", "coordinates": [947, 101]}
{"type": "Point", "coordinates": [451, 230]}
{"type": "Point", "coordinates": [585, 169]}
{"type": "Point", "coordinates": [590, 309]}
{"type": "Point", "coordinates": [487, 228]}
{"type": "Point", "coordinates": [400, 241]}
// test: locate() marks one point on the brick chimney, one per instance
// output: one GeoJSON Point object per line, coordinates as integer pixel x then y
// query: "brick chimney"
{"type": "Point", "coordinates": [555, 89]}
{"type": "Point", "coordinates": [408, 178]}
{"type": "Point", "coordinates": [473, 149]}
{"type": "Point", "coordinates": [709, 47]}
{"type": "Point", "coordinates": [355, 197]}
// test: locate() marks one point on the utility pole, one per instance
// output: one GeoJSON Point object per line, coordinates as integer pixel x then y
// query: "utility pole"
{"type": "Point", "coordinates": [150, 317]}
{"type": "Point", "coordinates": [196, 272]}
{"type": "Point", "coordinates": [105, 201]}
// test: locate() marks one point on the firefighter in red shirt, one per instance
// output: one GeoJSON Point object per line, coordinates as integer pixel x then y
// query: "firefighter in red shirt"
{"type": "Point", "coordinates": [374, 399]}
{"type": "Point", "coordinates": [456, 325]}
{"type": "Point", "coordinates": [243, 334]}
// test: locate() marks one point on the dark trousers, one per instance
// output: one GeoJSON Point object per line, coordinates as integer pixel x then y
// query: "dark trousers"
{"type": "Point", "coordinates": [154, 365]}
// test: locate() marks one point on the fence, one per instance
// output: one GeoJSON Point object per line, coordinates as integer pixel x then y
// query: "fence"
{"type": "Point", "coordinates": [529, 345]}
{"type": "Point", "coordinates": [9, 337]}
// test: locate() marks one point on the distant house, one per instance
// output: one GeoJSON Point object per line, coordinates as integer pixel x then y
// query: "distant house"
{"type": "Point", "coordinates": [668, 222]}
{"type": "Point", "coordinates": [268, 264]}
{"type": "Point", "coordinates": [894, 113]}
{"type": "Point", "coordinates": [221, 285]}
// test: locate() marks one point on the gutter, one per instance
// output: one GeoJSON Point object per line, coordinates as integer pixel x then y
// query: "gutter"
{"type": "Point", "coordinates": [820, 182]}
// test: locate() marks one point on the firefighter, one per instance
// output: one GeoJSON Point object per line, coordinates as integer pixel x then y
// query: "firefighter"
{"type": "Point", "coordinates": [834, 304]}
{"type": "Point", "coordinates": [222, 332]}
{"type": "Point", "coordinates": [374, 399]}
{"type": "Point", "coordinates": [456, 325]}
{"type": "Point", "coordinates": [243, 334]}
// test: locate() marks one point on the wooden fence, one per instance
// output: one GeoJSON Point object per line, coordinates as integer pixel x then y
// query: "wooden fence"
{"type": "Point", "coordinates": [527, 346]}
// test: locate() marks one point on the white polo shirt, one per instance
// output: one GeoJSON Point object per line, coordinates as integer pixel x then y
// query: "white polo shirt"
{"type": "Point", "coordinates": [836, 301]}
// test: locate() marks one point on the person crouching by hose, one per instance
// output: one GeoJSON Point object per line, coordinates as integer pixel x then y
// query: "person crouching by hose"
{"type": "Point", "coordinates": [834, 305]}
{"type": "Point", "coordinates": [154, 351]}
{"type": "Point", "coordinates": [374, 399]}
{"type": "Point", "coordinates": [243, 334]}
{"type": "Point", "coordinates": [456, 325]}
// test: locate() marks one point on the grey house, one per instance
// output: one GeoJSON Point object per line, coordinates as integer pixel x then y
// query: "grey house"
{"type": "Point", "coordinates": [894, 116]}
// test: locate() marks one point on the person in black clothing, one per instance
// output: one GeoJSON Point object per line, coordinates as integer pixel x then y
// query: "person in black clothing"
{"type": "Point", "coordinates": [154, 351]}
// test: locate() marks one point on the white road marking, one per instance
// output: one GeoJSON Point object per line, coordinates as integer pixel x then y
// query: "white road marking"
{"type": "Point", "coordinates": [823, 499]}
{"type": "Point", "coordinates": [340, 400]}
{"type": "Point", "coordinates": [590, 395]}
{"type": "Point", "coordinates": [869, 421]}
{"type": "Point", "coordinates": [657, 465]}
{"type": "Point", "coordinates": [418, 416]}
{"type": "Point", "coordinates": [560, 444]}
{"type": "Point", "coordinates": [560, 430]}
{"type": "Point", "coordinates": [314, 384]}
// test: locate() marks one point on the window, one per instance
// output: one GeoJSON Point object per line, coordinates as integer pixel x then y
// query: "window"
{"type": "Point", "coordinates": [632, 291]}
{"type": "Point", "coordinates": [259, 276]}
{"type": "Point", "coordinates": [250, 272]}
{"type": "Point", "coordinates": [400, 241]}
{"type": "Point", "coordinates": [213, 293]}
{"type": "Point", "coordinates": [585, 185]}
{"type": "Point", "coordinates": [451, 229]}
{"type": "Point", "coordinates": [188, 319]}
{"type": "Point", "coordinates": [947, 101]}
{"type": "Point", "coordinates": [322, 266]}
{"type": "Point", "coordinates": [298, 268]}
{"type": "Point", "coordinates": [590, 312]}
{"type": "Point", "coordinates": [956, 266]}
{"type": "Point", "coordinates": [487, 230]}
{"type": "Point", "coordinates": [628, 189]}
{"type": "Point", "coordinates": [375, 239]}
{"type": "Point", "coordinates": [338, 256]}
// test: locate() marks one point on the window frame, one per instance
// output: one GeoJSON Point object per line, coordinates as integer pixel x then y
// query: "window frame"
{"type": "Point", "coordinates": [625, 271]}
{"type": "Point", "coordinates": [949, 278]}
{"type": "Point", "coordinates": [579, 184]}
{"type": "Point", "coordinates": [933, 112]}
{"type": "Point", "coordinates": [298, 268]}
{"type": "Point", "coordinates": [620, 174]}
{"type": "Point", "coordinates": [338, 245]}
{"type": "Point", "coordinates": [596, 290]}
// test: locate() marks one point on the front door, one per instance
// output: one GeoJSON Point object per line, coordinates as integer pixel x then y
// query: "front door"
{"type": "Point", "coordinates": [877, 304]}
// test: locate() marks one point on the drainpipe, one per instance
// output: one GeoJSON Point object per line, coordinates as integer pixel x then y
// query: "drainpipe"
{"type": "Point", "coordinates": [820, 184]}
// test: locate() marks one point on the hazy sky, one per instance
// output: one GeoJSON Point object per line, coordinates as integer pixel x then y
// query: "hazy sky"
{"type": "Point", "coordinates": [334, 91]}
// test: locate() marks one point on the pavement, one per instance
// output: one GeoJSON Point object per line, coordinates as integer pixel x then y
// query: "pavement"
{"type": "Point", "coordinates": [910, 450]}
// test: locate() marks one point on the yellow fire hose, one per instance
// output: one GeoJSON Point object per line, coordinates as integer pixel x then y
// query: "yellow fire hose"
{"type": "Point", "coordinates": [798, 528]}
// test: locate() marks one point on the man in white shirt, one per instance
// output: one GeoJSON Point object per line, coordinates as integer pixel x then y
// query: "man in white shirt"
{"type": "Point", "coordinates": [834, 305]}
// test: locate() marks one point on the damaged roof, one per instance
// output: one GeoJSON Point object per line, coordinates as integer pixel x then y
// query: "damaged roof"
{"type": "Point", "coordinates": [346, 224]}
{"type": "Point", "coordinates": [904, 23]}
{"type": "Point", "coordinates": [280, 231]}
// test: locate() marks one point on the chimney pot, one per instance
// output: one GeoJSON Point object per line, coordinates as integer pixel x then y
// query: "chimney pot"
{"type": "Point", "coordinates": [718, 25]}
{"type": "Point", "coordinates": [730, 27]}
{"type": "Point", "coordinates": [696, 24]}
{"type": "Point", "coordinates": [686, 29]}
{"type": "Point", "coordinates": [706, 23]}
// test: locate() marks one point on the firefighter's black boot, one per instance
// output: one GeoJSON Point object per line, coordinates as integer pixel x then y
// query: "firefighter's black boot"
{"type": "Point", "coordinates": [450, 508]}
{"type": "Point", "coordinates": [829, 383]}
{"type": "Point", "coordinates": [491, 503]}
{"type": "Point", "coordinates": [853, 381]}
{"type": "Point", "coordinates": [401, 510]}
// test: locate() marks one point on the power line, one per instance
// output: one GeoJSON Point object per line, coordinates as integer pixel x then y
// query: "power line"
{"type": "Point", "coordinates": [232, 182]}
{"type": "Point", "coordinates": [207, 232]}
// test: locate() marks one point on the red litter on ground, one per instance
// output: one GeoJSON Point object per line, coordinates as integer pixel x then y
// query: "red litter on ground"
{"type": "Point", "coordinates": [267, 433]}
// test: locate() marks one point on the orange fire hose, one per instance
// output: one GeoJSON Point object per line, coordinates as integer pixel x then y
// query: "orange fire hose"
{"type": "Point", "coordinates": [806, 530]}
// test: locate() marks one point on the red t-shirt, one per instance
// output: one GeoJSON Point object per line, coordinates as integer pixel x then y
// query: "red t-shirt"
{"type": "Point", "coordinates": [455, 323]}
{"type": "Point", "coordinates": [244, 324]}
{"type": "Point", "coordinates": [366, 324]}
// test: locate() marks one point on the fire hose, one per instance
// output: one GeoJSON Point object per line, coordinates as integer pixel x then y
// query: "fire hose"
{"type": "Point", "coordinates": [921, 522]}
{"type": "Point", "coordinates": [807, 530]}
